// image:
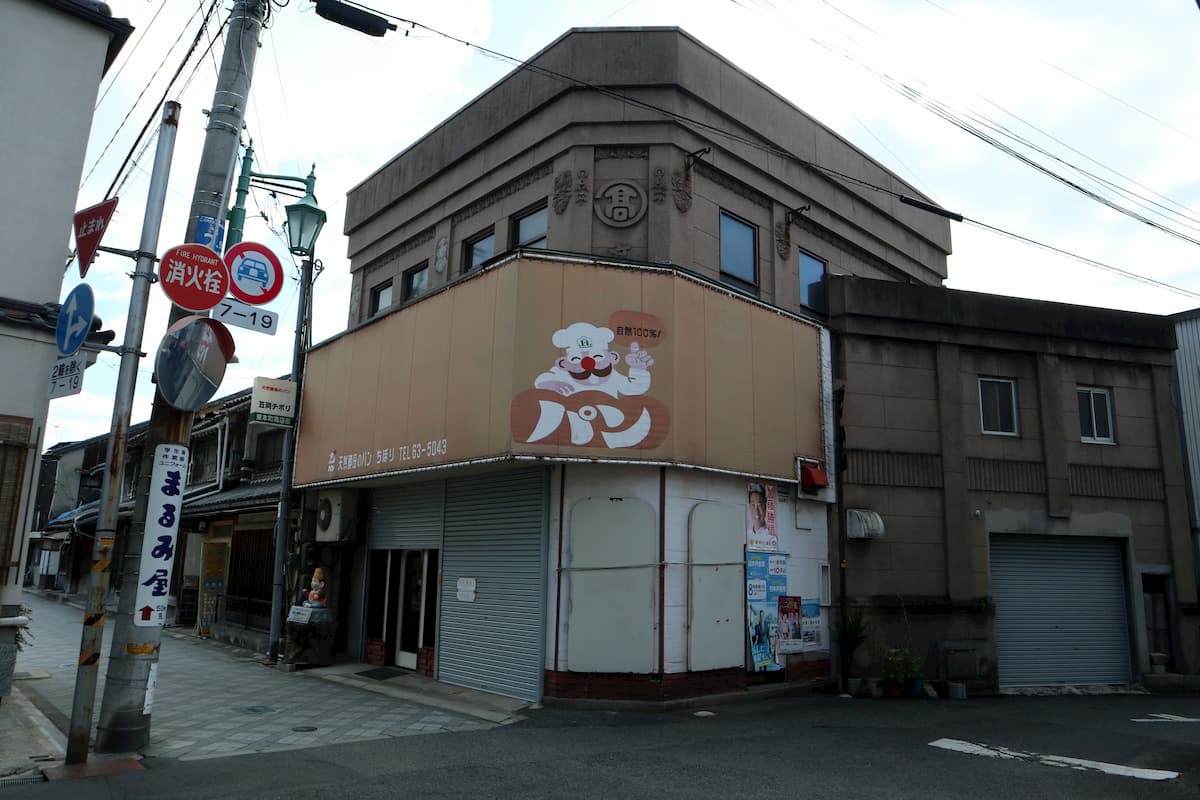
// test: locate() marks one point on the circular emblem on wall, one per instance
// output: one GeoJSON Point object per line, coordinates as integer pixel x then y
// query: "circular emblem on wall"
{"type": "Point", "coordinates": [620, 203]}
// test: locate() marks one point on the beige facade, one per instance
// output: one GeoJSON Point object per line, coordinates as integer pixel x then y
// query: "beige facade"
{"type": "Point", "coordinates": [470, 374]}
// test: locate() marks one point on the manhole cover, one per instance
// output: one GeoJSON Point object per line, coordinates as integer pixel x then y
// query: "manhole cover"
{"type": "Point", "coordinates": [304, 728]}
{"type": "Point", "coordinates": [255, 709]}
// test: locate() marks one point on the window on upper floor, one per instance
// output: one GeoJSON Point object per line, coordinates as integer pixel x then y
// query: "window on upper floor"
{"type": "Point", "coordinates": [812, 282]}
{"type": "Point", "coordinates": [416, 282]}
{"type": "Point", "coordinates": [739, 253]}
{"type": "Point", "coordinates": [529, 229]}
{"type": "Point", "coordinates": [381, 297]}
{"type": "Point", "coordinates": [998, 406]}
{"type": "Point", "coordinates": [1095, 415]}
{"type": "Point", "coordinates": [268, 450]}
{"type": "Point", "coordinates": [478, 249]}
{"type": "Point", "coordinates": [203, 466]}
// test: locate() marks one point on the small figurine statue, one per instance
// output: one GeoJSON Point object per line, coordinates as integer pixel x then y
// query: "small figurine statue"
{"type": "Point", "coordinates": [316, 591]}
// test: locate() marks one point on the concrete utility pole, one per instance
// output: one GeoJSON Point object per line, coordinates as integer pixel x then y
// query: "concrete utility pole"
{"type": "Point", "coordinates": [125, 713]}
{"type": "Point", "coordinates": [106, 523]}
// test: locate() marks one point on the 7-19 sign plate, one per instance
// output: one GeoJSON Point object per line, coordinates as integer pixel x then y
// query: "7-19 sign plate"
{"type": "Point", "coordinates": [253, 318]}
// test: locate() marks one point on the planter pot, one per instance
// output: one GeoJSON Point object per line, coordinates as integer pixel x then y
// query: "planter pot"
{"type": "Point", "coordinates": [854, 687]}
{"type": "Point", "coordinates": [914, 687]}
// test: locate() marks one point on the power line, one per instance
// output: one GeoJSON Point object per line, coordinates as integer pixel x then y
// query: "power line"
{"type": "Point", "coordinates": [781, 152]}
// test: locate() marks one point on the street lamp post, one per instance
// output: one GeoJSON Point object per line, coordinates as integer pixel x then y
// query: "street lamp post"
{"type": "Point", "coordinates": [304, 222]}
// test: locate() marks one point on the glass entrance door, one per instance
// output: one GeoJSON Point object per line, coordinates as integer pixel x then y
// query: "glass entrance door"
{"type": "Point", "coordinates": [412, 606]}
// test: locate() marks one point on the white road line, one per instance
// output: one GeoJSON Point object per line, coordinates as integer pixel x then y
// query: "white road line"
{"type": "Point", "coordinates": [1165, 718]}
{"type": "Point", "coordinates": [989, 751]}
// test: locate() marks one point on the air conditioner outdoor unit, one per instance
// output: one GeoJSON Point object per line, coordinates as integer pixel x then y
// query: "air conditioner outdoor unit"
{"type": "Point", "coordinates": [862, 523]}
{"type": "Point", "coordinates": [336, 512]}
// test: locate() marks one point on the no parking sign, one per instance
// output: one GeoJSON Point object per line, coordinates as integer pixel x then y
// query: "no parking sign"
{"type": "Point", "coordinates": [255, 274]}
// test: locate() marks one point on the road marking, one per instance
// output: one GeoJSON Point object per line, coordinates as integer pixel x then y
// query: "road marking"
{"type": "Point", "coordinates": [989, 751]}
{"type": "Point", "coordinates": [1165, 718]}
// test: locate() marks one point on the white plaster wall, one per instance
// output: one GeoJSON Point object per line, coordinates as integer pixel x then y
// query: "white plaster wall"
{"type": "Point", "coordinates": [800, 523]}
{"type": "Point", "coordinates": [52, 65]}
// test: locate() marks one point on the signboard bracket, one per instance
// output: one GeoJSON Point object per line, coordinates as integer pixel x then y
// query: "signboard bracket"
{"type": "Point", "coordinates": [134, 254]}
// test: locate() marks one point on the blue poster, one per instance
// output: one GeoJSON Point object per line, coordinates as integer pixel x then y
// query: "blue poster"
{"type": "Point", "coordinates": [766, 582]}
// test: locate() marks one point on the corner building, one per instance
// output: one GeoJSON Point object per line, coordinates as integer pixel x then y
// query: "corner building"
{"type": "Point", "coordinates": [585, 345]}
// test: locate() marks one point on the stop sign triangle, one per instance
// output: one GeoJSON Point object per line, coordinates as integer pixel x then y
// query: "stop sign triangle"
{"type": "Point", "coordinates": [90, 225]}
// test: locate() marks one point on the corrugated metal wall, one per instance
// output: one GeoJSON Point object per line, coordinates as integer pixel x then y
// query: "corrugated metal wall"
{"type": "Point", "coordinates": [1187, 365]}
{"type": "Point", "coordinates": [1060, 610]}
{"type": "Point", "coordinates": [495, 533]}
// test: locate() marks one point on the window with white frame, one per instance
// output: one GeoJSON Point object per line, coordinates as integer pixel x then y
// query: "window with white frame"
{"type": "Point", "coordinates": [1095, 415]}
{"type": "Point", "coordinates": [998, 406]}
{"type": "Point", "coordinates": [739, 252]}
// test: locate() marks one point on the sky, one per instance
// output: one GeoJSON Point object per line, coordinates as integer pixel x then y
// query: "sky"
{"type": "Point", "coordinates": [1107, 87]}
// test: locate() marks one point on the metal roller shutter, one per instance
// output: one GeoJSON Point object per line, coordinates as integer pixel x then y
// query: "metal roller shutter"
{"type": "Point", "coordinates": [1060, 610]}
{"type": "Point", "coordinates": [495, 533]}
{"type": "Point", "coordinates": [407, 517]}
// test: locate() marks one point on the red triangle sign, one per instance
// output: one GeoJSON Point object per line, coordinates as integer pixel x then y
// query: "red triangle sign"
{"type": "Point", "coordinates": [90, 225]}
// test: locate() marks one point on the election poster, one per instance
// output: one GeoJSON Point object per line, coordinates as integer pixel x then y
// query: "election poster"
{"type": "Point", "coordinates": [761, 502]}
{"type": "Point", "coordinates": [799, 625]}
{"type": "Point", "coordinates": [766, 582]}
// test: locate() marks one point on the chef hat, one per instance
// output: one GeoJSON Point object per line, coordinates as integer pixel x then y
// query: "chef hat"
{"type": "Point", "coordinates": [583, 337]}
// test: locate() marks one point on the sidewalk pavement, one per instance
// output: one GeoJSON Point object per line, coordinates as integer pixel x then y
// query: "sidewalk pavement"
{"type": "Point", "coordinates": [215, 700]}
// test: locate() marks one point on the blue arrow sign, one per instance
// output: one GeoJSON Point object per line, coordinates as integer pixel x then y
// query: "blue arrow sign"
{"type": "Point", "coordinates": [75, 319]}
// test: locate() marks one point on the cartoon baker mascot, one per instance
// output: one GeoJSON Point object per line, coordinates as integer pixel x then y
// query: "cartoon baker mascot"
{"type": "Point", "coordinates": [588, 364]}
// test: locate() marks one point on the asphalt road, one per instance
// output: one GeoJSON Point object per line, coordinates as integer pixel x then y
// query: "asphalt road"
{"type": "Point", "coordinates": [811, 747]}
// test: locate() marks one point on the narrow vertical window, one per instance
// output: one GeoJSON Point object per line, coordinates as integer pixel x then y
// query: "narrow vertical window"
{"type": "Point", "coordinates": [739, 254]}
{"type": "Point", "coordinates": [381, 297]}
{"type": "Point", "coordinates": [812, 282]}
{"type": "Point", "coordinates": [1095, 415]}
{"type": "Point", "coordinates": [529, 230]}
{"type": "Point", "coordinates": [998, 406]}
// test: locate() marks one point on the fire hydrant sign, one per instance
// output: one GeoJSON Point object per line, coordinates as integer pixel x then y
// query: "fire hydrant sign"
{"type": "Point", "coordinates": [193, 276]}
{"type": "Point", "coordinates": [162, 532]}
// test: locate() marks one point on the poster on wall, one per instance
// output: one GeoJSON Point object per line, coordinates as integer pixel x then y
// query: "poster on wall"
{"type": "Point", "coordinates": [766, 582]}
{"type": "Point", "coordinates": [799, 625]}
{"type": "Point", "coordinates": [761, 502]}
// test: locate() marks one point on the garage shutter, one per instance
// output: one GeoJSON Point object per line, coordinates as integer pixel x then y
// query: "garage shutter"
{"type": "Point", "coordinates": [1060, 610]}
{"type": "Point", "coordinates": [406, 517]}
{"type": "Point", "coordinates": [495, 532]}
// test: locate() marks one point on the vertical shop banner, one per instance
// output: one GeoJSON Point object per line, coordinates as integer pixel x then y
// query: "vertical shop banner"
{"type": "Point", "coordinates": [162, 529]}
{"type": "Point", "coordinates": [766, 582]}
{"type": "Point", "coordinates": [799, 625]}
{"type": "Point", "coordinates": [761, 500]}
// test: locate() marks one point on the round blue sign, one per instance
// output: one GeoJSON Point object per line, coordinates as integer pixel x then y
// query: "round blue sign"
{"type": "Point", "coordinates": [75, 319]}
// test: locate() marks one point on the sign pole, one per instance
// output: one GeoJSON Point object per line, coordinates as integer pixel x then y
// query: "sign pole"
{"type": "Point", "coordinates": [124, 714]}
{"type": "Point", "coordinates": [106, 522]}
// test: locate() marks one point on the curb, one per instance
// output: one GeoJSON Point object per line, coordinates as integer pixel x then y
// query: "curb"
{"type": "Point", "coordinates": [766, 692]}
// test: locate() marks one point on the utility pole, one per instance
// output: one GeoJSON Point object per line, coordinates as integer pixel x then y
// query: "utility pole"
{"type": "Point", "coordinates": [125, 712]}
{"type": "Point", "coordinates": [106, 523]}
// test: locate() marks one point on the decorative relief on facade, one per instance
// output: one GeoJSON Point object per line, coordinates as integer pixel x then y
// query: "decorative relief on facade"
{"type": "Point", "coordinates": [562, 191]}
{"type": "Point", "coordinates": [783, 240]}
{"type": "Point", "coordinates": [581, 187]}
{"type": "Point", "coordinates": [681, 190]}
{"type": "Point", "coordinates": [408, 245]}
{"type": "Point", "coordinates": [1002, 475]}
{"type": "Point", "coordinates": [441, 255]}
{"type": "Point", "coordinates": [604, 153]}
{"type": "Point", "coordinates": [732, 184]}
{"type": "Point", "coordinates": [879, 468]}
{"type": "Point", "coordinates": [658, 186]}
{"type": "Point", "coordinates": [584, 398]}
{"type": "Point", "coordinates": [620, 203]}
{"type": "Point", "coordinates": [621, 250]}
{"type": "Point", "coordinates": [508, 189]}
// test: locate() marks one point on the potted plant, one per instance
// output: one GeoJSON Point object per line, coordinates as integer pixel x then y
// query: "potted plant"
{"type": "Point", "coordinates": [900, 675]}
{"type": "Point", "coordinates": [852, 630]}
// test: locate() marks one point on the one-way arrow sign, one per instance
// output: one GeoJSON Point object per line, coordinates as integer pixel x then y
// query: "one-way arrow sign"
{"type": "Point", "coordinates": [146, 612]}
{"type": "Point", "coordinates": [90, 225]}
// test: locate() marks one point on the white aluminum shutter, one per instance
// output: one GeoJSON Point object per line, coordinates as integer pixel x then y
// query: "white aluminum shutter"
{"type": "Point", "coordinates": [1060, 610]}
{"type": "Point", "coordinates": [495, 533]}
